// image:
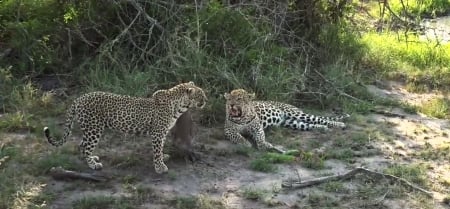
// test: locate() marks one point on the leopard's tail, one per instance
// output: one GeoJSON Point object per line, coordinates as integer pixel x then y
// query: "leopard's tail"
{"type": "Point", "coordinates": [331, 122]}
{"type": "Point", "coordinates": [339, 118]}
{"type": "Point", "coordinates": [70, 117]}
{"type": "Point", "coordinates": [317, 121]}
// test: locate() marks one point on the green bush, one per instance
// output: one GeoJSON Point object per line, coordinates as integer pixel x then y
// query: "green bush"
{"type": "Point", "coordinates": [44, 36]}
{"type": "Point", "coordinates": [438, 107]}
{"type": "Point", "coordinates": [224, 30]}
{"type": "Point", "coordinates": [419, 62]}
{"type": "Point", "coordinates": [117, 48]}
{"type": "Point", "coordinates": [421, 7]}
{"type": "Point", "coordinates": [414, 172]}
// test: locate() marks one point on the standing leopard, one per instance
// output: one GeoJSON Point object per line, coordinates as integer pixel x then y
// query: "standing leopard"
{"type": "Point", "coordinates": [153, 116]}
{"type": "Point", "coordinates": [246, 116]}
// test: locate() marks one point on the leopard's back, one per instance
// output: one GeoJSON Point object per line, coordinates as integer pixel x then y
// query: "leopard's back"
{"type": "Point", "coordinates": [120, 112]}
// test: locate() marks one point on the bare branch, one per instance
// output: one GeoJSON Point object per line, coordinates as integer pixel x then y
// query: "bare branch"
{"type": "Point", "coordinates": [138, 7]}
{"type": "Point", "coordinates": [61, 174]}
{"type": "Point", "coordinates": [350, 174]}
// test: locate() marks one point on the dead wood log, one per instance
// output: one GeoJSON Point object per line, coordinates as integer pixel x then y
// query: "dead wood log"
{"type": "Point", "coordinates": [350, 174]}
{"type": "Point", "coordinates": [60, 173]}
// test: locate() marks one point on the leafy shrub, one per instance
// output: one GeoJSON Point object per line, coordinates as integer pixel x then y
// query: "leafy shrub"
{"type": "Point", "coordinates": [438, 107]}
{"type": "Point", "coordinates": [420, 62]}
{"type": "Point", "coordinates": [422, 7]}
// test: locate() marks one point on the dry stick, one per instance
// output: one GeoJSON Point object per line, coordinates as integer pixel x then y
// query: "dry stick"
{"type": "Point", "coordinates": [278, 149]}
{"type": "Point", "coordinates": [387, 113]}
{"type": "Point", "coordinates": [154, 22]}
{"type": "Point", "coordinates": [60, 173]}
{"type": "Point", "coordinates": [125, 31]}
{"type": "Point", "coordinates": [320, 180]}
{"type": "Point", "coordinates": [405, 22]}
{"type": "Point", "coordinates": [138, 7]}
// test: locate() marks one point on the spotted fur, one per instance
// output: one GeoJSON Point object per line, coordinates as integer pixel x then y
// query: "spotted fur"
{"type": "Point", "coordinates": [153, 116]}
{"type": "Point", "coordinates": [246, 116]}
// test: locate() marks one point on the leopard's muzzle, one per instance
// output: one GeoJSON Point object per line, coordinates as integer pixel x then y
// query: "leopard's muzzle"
{"type": "Point", "coordinates": [235, 111]}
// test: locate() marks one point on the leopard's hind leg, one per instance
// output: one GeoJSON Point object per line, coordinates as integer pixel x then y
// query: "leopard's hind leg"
{"type": "Point", "coordinates": [92, 133]}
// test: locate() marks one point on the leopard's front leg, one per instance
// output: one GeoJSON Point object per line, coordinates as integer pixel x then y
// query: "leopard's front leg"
{"type": "Point", "coordinates": [260, 137]}
{"type": "Point", "coordinates": [234, 136]}
{"type": "Point", "coordinates": [158, 139]}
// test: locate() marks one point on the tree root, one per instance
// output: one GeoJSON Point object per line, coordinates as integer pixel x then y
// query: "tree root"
{"type": "Point", "coordinates": [60, 173]}
{"type": "Point", "coordinates": [352, 173]}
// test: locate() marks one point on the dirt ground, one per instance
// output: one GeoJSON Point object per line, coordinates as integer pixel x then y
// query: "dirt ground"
{"type": "Point", "coordinates": [225, 178]}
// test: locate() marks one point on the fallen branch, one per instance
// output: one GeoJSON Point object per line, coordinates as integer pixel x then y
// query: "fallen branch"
{"type": "Point", "coordinates": [195, 158]}
{"type": "Point", "coordinates": [278, 149]}
{"type": "Point", "coordinates": [60, 173]}
{"type": "Point", "coordinates": [387, 113]}
{"type": "Point", "coordinates": [352, 173]}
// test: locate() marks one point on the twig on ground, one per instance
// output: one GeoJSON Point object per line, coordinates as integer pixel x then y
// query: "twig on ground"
{"type": "Point", "coordinates": [387, 113]}
{"type": "Point", "coordinates": [352, 173]}
{"type": "Point", "coordinates": [4, 158]}
{"type": "Point", "coordinates": [205, 162]}
{"type": "Point", "coordinates": [195, 158]}
{"type": "Point", "coordinates": [381, 199]}
{"type": "Point", "coordinates": [60, 173]}
{"type": "Point", "coordinates": [278, 149]}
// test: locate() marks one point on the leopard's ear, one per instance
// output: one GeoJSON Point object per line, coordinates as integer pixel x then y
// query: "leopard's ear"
{"type": "Point", "coordinates": [191, 82]}
{"type": "Point", "coordinates": [190, 91]}
{"type": "Point", "coordinates": [252, 96]}
{"type": "Point", "coordinates": [158, 92]}
{"type": "Point", "coordinates": [158, 96]}
{"type": "Point", "coordinates": [226, 96]}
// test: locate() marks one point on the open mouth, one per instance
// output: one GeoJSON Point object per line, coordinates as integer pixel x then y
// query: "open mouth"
{"type": "Point", "coordinates": [235, 111]}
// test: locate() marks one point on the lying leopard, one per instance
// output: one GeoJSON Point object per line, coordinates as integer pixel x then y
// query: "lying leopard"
{"type": "Point", "coordinates": [246, 116]}
{"type": "Point", "coordinates": [153, 116]}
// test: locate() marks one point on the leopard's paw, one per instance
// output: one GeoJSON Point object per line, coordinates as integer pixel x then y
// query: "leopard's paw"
{"type": "Point", "coordinates": [161, 168]}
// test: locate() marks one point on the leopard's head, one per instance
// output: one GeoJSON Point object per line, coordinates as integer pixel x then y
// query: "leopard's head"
{"type": "Point", "coordinates": [195, 97]}
{"type": "Point", "coordinates": [239, 104]}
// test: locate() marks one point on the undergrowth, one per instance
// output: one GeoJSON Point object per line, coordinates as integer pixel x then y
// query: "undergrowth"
{"type": "Point", "coordinates": [128, 53]}
{"type": "Point", "coordinates": [415, 173]}
{"type": "Point", "coordinates": [436, 107]}
{"type": "Point", "coordinates": [428, 8]}
{"type": "Point", "coordinates": [265, 163]}
{"type": "Point", "coordinates": [23, 105]}
{"type": "Point", "coordinates": [197, 202]}
{"type": "Point", "coordinates": [422, 65]}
